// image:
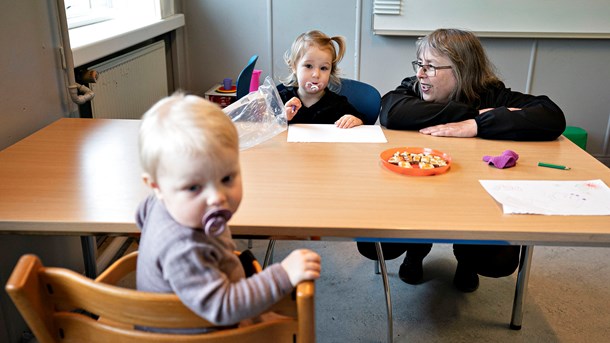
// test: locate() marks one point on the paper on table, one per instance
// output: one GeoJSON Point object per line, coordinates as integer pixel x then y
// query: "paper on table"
{"type": "Point", "coordinates": [590, 197]}
{"type": "Point", "coordinates": [329, 133]}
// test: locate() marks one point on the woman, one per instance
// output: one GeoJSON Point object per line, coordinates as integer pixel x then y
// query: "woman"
{"type": "Point", "coordinates": [456, 93]}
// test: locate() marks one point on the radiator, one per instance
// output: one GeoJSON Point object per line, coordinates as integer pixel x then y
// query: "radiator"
{"type": "Point", "coordinates": [130, 84]}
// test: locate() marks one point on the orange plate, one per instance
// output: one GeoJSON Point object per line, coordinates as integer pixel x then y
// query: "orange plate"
{"type": "Point", "coordinates": [415, 171]}
{"type": "Point", "coordinates": [221, 89]}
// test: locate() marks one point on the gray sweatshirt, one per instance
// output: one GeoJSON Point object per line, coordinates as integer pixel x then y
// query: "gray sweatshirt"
{"type": "Point", "coordinates": [203, 271]}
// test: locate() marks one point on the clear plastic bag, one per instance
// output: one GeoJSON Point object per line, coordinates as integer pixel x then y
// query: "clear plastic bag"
{"type": "Point", "coordinates": [259, 115]}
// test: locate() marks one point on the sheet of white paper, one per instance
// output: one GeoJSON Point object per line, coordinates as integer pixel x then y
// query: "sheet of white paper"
{"type": "Point", "coordinates": [590, 197]}
{"type": "Point", "coordinates": [329, 133]}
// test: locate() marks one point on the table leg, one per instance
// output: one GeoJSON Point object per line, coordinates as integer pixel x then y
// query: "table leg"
{"type": "Point", "coordinates": [269, 254]}
{"type": "Point", "coordinates": [527, 252]}
{"type": "Point", "coordinates": [88, 246]}
{"type": "Point", "coordinates": [386, 286]}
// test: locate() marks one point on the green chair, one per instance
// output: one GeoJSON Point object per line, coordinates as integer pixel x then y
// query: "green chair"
{"type": "Point", "coordinates": [577, 135]}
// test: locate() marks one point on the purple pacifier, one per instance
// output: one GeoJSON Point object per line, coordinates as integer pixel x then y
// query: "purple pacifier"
{"type": "Point", "coordinates": [215, 221]}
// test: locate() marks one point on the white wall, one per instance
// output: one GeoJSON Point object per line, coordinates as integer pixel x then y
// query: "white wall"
{"type": "Point", "coordinates": [222, 35]}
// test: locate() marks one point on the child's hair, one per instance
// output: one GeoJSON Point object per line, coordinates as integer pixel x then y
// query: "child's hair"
{"type": "Point", "coordinates": [320, 40]}
{"type": "Point", "coordinates": [187, 124]}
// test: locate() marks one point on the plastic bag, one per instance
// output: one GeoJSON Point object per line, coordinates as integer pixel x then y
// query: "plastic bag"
{"type": "Point", "coordinates": [259, 115]}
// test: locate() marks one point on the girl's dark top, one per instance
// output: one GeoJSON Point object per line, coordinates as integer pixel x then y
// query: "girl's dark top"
{"type": "Point", "coordinates": [539, 119]}
{"type": "Point", "coordinates": [327, 110]}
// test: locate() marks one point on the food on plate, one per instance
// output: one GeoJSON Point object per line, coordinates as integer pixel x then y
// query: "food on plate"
{"type": "Point", "coordinates": [423, 160]}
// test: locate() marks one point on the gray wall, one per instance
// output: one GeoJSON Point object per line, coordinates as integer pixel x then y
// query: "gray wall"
{"type": "Point", "coordinates": [32, 92]}
{"type": "Point", "coordinates": [31, 96]}
{"type": "Point", "coordinates": [222, 35]}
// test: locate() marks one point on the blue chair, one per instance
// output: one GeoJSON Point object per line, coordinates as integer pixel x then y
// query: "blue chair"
{"type": "Point", "coordinates": [243, 80]}
{"type": "Point", "coordinates": [364, 97]}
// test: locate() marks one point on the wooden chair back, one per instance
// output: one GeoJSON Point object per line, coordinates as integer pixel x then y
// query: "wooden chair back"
{"type": "Point", "coordinates": [60, 305]}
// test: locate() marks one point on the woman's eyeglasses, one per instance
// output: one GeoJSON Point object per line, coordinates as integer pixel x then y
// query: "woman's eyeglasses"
{"type": "Point", "coordinates": [429, 69]}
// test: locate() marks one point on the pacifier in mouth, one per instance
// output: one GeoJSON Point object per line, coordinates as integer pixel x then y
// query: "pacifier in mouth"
{"type": "Point", "coordinates": [313, 87]}
{"type": "Point", "coordinates": [215, 221]}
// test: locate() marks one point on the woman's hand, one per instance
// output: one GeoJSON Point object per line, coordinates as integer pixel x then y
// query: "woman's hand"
{"type": "Point", "coordinates": [292, 106]}
{"type": "Point", "coordinates": [466, 128]}
{"type": "Point", "coordinates": [348, 121]}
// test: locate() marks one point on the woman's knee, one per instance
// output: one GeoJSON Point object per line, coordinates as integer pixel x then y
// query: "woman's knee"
{"type": "Point", "coordinates": [502, 262]}
{"type": "Point", "coordinates": [490, 260]}
{"type": "Point", "coordinates": [390, 250]}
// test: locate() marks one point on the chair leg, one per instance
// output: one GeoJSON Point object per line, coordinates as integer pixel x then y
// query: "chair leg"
{"type": "Point", "coordinates": [249, 243]}
{"type": "Point", "coordinates": [269, 254]}
{"type": "Point", "coordinates": [523, 276]}
{"type": "Point", "coordinates": [89, 248]}
{"type": "Point", "coordinates": [386, 286]}
{"type": "Point", "coordinates": [376, 267]}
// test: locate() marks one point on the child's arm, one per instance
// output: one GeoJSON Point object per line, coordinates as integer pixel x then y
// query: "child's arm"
{"type": "Point", "coordinates": [212, 287]}
{"type": "Point", "coordinates": [302, 265]}
{"type": "Point", "coordinates": [348, 121]}
{"type": "Point", "coordinates": [351, 116]}
{"type": "Point", "coordinates": [292, 106]}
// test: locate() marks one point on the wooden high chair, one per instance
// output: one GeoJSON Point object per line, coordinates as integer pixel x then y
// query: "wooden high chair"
{"type": "Point", "coordinates": [60, 305]}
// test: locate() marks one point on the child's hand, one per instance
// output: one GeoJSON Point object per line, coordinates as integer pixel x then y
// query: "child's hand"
{"type": "Point", "coordinates": [301, 265]}
{"type": "Point", "coordinates": [348, 121]}
{"type": "Point", "coordinates": [292, 106]}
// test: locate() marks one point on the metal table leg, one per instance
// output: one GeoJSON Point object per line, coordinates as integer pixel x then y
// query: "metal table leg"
{"type": "Point", "coordinates": [386, 286]}
{"type": "Point", "coordinates": [88, 246]}
{"type": "Point", "coordinates": [269, 254]}
{"type": "Point", "coordinates": [527, 252]}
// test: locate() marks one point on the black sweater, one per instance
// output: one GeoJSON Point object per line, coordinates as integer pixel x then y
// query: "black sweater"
{"type": "Point", "coordinates": [327, 110]}
{"type": "Point", "coordinates": [539, 119]}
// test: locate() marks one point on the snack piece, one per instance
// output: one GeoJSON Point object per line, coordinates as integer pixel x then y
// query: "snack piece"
{"type": "Point", "coordinates": [395, 159]}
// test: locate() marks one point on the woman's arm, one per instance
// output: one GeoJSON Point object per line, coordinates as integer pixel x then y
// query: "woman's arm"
{"type": "Point", "coordinates": [403, 109]}
{"type": "Point", "coordinates": [521, 117]}
{"type": "Point", "coordinates": [504, 115]}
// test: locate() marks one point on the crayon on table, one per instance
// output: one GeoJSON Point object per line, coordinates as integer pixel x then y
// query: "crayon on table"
{"type": "Point", "coordinates": [554, 166]}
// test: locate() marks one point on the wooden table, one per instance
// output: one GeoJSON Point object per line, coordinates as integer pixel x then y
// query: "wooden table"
{"type": "Point", "coordinates": [82, 177]}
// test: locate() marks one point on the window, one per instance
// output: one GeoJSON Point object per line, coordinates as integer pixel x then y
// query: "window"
{"type": "Point", "coordinates": [86, 12]}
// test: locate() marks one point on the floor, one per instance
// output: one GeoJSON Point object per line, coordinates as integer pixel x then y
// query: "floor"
{"type": "Point", "coordinates": [568, 298]}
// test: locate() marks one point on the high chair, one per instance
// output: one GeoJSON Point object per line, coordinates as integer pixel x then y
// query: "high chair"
{"type": "Point", "coordinates": [60, 305]}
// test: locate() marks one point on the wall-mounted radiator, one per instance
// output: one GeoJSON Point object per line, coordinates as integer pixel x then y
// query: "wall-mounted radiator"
{"type": "Point", "coordinates": [130, 84]}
